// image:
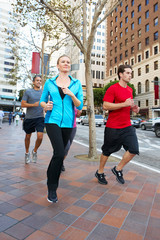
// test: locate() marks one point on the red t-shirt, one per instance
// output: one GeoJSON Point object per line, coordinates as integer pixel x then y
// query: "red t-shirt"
{"type": "Point", "coordinates": [117, 94]}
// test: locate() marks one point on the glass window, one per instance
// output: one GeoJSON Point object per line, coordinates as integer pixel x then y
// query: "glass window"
{"type": "Point", "coordinates": [121, 4]}
{"type": "Point", "coordinates": [139, 87]}
{"type": "Point", "coordinates": [146, 102]}
{"type": "Point", "coordinates": [115, 49]}
{"type": "Point", "coordinates": [147, 2]}
{"type": "Point", "coordinates": [156, 21]}
{"type": "Point", "coordinates": [139, 58]}
{"type": "Point", "coordinates": [111, 51]}
{"type": "Point", "coordinates": [132, 2]}
{"type": "Point", "coordinates": [132, 37]}
{"type": "Point", "coordinates": [102, 75]}
{"type": "Point", "coordinates": [147, 68]}
{"type": "Point", "coordinates": [116, 29]}
{"type": "Point", "coordinates": [139, 33]}
{"type": "Point", "coordinates": [111, 63]}
{"type": "Point", "coordinates": [120, 45]}
{"type": "Point", "coordinates": [120, 57]}
{"type": "Point", "coordinates": [126, 41]}
{"type": "Point", "coordinates": [132, 14]}
{"type": "Point", "coordinates": [147, 27]}
{"type": "Point", "coordinates": [126, 20]}
{"type": "Point", "coordinates": [139, 71]}
{"type": "Point", "coordinates": [155, 7]}
{"type": "Point", "coordinates": [7, 69]}
{"type": "Point", "coordinates": [147, 54]}
{"type": "Point", "coordinates": [111, 33]}
{"type": "Point", "coordinates": [132, 26]}
{"type": "Point", "coordinates": [132, 74]}
{"type": "Point", "coordinates": [126, 30]}
{"type": "Point", "coordinates": [139, 46]}
{"type": "Point", "coordinates": [155, 65]}
{"type": "Point", "coordinates": [132, 61]}
{"type": "Point", "coordinates": [139, 7]}
{"type": "Point", "coordinates": [116, 39]}
{"type": "Point", "coordinates": [147, 85]}
{"type": "Point", "coordinates": [121, 13]}
{"type": "Point", "coordinates": [111, 23]}
{"type": "Point", "coordinates": [156, 35]}
{"type": "Point", "coordinates": [139, 20]}
{"type": "Point", "coordinates": [115, 60]}
{"type": "Point", "coordinates": [147, 14]}
{"type": "Point", "coordinates": [126, 53]}
{"type": "Point", "coordinates": [126, 8]}
{"type": "Point", "coordinates": [116, 18]}
{"type": "Point", "coordinates": [132, 49]}
{"type": "Point", "coordinates": [155, 50]}
{"type": "Point", "coordinates": [121, 24]}
{"type": "Point", "coordinates": [147, 41]}
{"type": "Point", "coordinates": [121, 35]}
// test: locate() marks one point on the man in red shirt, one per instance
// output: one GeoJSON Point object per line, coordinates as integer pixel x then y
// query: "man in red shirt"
{"type": "Point", "coordinates": [118, 100]}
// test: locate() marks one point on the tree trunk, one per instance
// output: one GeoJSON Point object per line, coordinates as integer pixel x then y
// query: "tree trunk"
{"type": "Point", "coordinates": [90, 110]}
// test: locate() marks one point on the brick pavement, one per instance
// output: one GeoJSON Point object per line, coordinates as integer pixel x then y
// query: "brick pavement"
{"type": "Point", "coordinates": [86, 209]}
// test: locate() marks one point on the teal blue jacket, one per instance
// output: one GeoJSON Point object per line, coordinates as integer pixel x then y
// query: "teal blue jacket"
{"type": "Point", "coordinates": [62, 113]}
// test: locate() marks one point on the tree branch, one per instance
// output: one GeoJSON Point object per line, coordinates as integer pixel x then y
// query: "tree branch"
{"type": "Point", "coordinates": [76, 38]}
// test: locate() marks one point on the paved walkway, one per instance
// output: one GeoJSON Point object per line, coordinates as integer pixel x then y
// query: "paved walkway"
{"type": "Point", "coordinates": [86, 209]}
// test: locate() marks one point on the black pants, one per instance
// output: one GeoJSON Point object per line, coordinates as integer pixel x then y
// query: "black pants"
{"type": "Point", "coordinates": [59, 138]}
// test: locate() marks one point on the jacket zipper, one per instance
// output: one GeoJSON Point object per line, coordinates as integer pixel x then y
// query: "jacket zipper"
{"type": "Point", "coordinates": [62, 112]}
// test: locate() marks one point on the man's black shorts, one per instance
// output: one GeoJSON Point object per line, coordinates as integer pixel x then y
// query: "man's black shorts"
{"type": "Point", "coordinates": [32, 125]}
{"type": "Point", "coordinates": [114, 139]}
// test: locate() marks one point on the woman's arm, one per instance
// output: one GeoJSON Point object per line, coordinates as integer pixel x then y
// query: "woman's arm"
{"type": "Point", "coordinates": [47, 106]}
{"type": "Point", "coordinates": [75, 100]}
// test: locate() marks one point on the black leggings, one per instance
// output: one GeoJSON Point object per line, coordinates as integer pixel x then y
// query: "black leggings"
{"type": "Point", "coordinates": [59, 138]}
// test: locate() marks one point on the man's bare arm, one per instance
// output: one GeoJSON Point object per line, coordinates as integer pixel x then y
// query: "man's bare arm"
{"type": "Point", "coordinates": [114, 106]}
{"type": "Point", "coordinates": [24, 104]}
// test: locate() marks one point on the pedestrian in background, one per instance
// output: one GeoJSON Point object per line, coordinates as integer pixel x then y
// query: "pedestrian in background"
{"type": "Point", "coordinates": [60, 95]}
{"type": "Point", "coordinates": [17, 117]}
{"type": "Point", "coordinates": [10, 117]}
{"type": "Point", "coordinates": [34, 118]}
{"type": "Point", "coordinates": [118, 100]}
{"type": "Point", "coordinates": [1, 117]}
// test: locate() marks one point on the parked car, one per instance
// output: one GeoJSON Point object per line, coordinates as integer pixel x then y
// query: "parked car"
{"type": "Point", "coordinates": [105, 120]}
{"type": "Point", "coordinates": [98, 120]}
{"type": "Point", "coordinates": [80, 119]}
{"type": "Point", "coordinates": [136, 122]}
{"type": "Point", "coordinates": [148, 123]}
{"type": "Point", "coordinates": [156, 126]}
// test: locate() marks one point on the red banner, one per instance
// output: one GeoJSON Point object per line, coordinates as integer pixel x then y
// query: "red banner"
{"type": "Point", "coordinates": [156, 91]}
{"type": "Point", "coordinates": [35, 63]}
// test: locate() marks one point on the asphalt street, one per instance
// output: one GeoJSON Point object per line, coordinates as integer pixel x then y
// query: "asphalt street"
{"type": "Point", "coordinates": [149, 144]}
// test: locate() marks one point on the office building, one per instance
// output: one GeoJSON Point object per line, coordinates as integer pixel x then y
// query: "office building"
{"type": "Point", "coordinates": [133, 38]}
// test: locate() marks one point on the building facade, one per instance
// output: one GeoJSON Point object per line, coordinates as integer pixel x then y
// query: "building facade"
{"type": "Point", "coordinates": [7, 61]}
{"type": "Point", "coordinates": [133, 38]}
{"type": "Point", "coordinates": [7, 91]}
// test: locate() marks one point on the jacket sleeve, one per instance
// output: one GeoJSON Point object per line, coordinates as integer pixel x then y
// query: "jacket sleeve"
{"type": "Point", "coordinates": [45, 93]}
{"type": "Point", "coordinates": [80, 96]}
